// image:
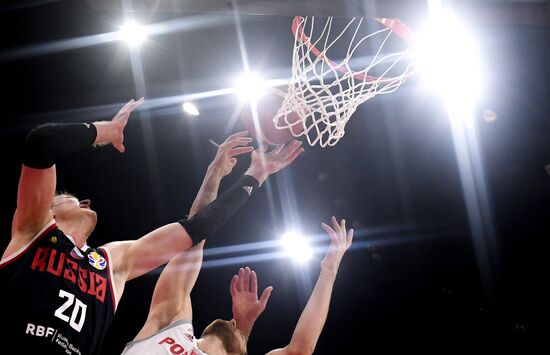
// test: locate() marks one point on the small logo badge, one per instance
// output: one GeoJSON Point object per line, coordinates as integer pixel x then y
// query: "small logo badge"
{"type": "Point", "coordinates": [97, 260]}
{"type": "Point", "coordinates": [53, 239]}
{"type": "Point", "coordinates": [248, 189]}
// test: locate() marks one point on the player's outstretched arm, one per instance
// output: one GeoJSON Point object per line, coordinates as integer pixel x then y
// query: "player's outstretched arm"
{"type": "Point", "coordinates": [172, 296]}
{"type": "Point", "coordinates": [314, 315]}
{"type": "Point", "coordinates": [43, 145]}
{"type": "Point", "coordinates": [134, 258]}
{"type": "Point", "coordinates": [171, 299]}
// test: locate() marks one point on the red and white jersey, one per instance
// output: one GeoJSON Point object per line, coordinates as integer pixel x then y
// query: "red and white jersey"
{"type": "Point", "coordinates": [177, 338]}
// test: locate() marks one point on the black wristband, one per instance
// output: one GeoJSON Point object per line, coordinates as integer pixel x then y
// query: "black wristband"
{"type": "Point", "coordinates": [48, 141]}
{"type": "Point", "coordinates": [211, 217]}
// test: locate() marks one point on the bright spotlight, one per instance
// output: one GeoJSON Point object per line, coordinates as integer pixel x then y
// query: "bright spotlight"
{"type": "Point", "coordinates": [190, 108]}
{"type": "Point", "coordinates": [133, 33]}
{"type": "Point", "coordinates": [250, 87]}
{"type": "Point", "coordinates": [449, 59]}
{"type": "Point", "coordinates": [296, 247]}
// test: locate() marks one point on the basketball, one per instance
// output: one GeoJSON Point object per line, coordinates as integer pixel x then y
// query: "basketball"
{"type": "Point", "coordinates": [267, 107]}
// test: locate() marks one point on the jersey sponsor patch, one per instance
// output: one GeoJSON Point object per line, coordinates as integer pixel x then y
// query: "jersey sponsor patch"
{"type": "Point", "coordinates": [97, 260]}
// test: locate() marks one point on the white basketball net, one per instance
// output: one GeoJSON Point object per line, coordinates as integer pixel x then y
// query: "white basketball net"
{"type": "Point", "coordinates": [325, 94]}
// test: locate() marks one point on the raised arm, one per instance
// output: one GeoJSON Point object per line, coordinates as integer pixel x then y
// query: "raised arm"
{"type": "Point", "coordinates": [314, 315]}
{"type": "Point", "coordinates": [172, 296]}
{"type": "Point", "coordinates": [43, 145]}
{"type": "Point", "coordinates": [246, 306]}
{"type": "Point", "coordinates": [134, 258]}
{"type": "Point", "coordinates": [171, 299]}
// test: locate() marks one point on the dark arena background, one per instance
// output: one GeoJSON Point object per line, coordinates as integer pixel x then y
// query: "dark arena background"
{"type": "Point", "coordinates": [450, 218]}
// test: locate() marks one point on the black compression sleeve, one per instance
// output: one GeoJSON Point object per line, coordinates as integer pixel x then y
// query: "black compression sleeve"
{"type": "Point", "coordinates": [48, 141]}
{"type": "Point", "coordinates": [210, 218]}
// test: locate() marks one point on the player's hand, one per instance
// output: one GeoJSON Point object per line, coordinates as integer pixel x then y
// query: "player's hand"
{"type": "Point", "coordinates": [340, 241]}
{"type": "Point", "coordinates": [113, 131]}
{"type": "Point", "coordinates": [266, 163]}
{"type": "Point", "coordinates": [234, 145]}
{"type": "Point", "coordinates": [120, 120]}
{"type": "Point", "coordinates": [246, 305]}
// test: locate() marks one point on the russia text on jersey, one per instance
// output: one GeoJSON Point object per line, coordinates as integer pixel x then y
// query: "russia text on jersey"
{"type": "Point", "coordinates": [57, 263]}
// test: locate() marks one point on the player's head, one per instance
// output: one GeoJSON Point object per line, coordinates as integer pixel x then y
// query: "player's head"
{"type": "Point", "coordinates": [232, 340]}
{"type": "Point", "coordinates": [66, 207]}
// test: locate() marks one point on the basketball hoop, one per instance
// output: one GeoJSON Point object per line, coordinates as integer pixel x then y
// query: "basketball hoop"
{"type": "Point", "coordinates": [325, 93]}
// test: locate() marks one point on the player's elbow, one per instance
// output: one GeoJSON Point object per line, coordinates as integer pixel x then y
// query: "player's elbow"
{"type": "Point", "coordinates": [182, 236]}
{"type": "Point", "coordinates": [38, 151]}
